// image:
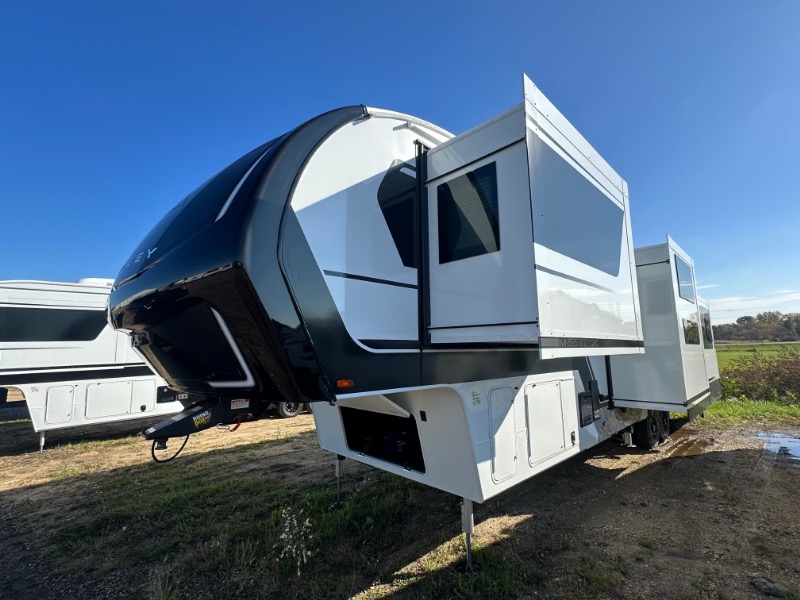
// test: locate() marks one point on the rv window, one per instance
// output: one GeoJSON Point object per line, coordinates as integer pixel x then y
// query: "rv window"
{"type": "Point", "coordinates": [571, 215]}
{"type": "Point", "coordinates": [396, 195]}
{"type": "Point", "coordinates": [468, 223]}
{"type": "Point", "coordinates": [691, 333]}
{"type": "Point", "coordinates": [21, 324]}
{"type": "Point", "coordinates": [708, 336]}
{"type": "Point", "coordinates": [685, 282]}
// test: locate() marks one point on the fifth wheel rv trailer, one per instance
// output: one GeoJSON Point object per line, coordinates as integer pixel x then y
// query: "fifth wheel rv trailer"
{"type": "Point", "coordinates": [74, 370]}
{"type": "Point", "coordinates": [449, 304]}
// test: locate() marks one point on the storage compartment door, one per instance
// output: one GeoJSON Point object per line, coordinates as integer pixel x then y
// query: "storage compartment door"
{"type": "Point", "coordinates": [108, 399]}
{"type": "Point", "coordinates": [503, 425]}
{"type": "Point", "coordinates": [585, 276]}
{"type": "Point", "coordinates": [59, 404]}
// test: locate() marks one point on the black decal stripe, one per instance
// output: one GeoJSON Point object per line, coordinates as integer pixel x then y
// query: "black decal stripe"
{"type": "Point", "coordinates": [485, 325]}
{"type": "Point", "coordinates": [370, 279]}
{"type": "Point", "coordinates": [558, 342]}
{"type": "Point", "coordinates": [482, 346]}
{"type": "Point", "coordinates": [55, 376]}
{"type": "Point", "coordinates": [571, 278]}
{"type": "Point", "coordinates": [70, 367]}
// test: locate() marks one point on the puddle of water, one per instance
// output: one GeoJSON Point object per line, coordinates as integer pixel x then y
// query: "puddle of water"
{"type": "Point", "coordinates": [783, 445]}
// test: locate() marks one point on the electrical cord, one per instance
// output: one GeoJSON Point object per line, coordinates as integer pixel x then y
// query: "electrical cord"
{"type": "Point", "coordinates": [153, 451]}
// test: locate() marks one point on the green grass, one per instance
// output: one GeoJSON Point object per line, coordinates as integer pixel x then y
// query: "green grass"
{"type": "Point", "coordinates": [728, 353]}
{"type": "Point", "coordinates": [189, 527]}
{"type": "Point", "coordinates": [755, 413]}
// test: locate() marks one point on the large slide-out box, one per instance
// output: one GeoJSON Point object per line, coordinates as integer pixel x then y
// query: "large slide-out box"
{"type": "Point", "coordinates": [679, 370]}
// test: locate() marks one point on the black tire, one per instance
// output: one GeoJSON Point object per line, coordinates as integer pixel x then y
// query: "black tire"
{"type": "Point", "coordinates": [288, 410]}
{"type": "Point", "coordinates": [664, 426]}
{"type": "Point", "coordinates": [646, 432]}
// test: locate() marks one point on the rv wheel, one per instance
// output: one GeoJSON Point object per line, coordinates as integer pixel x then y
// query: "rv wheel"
{"type": "Point", "coordinates": [646, 432]}
{"type": "Point", "coordinates": [289, 409]}
{"type": "Point", "coordinates": [663, 429]}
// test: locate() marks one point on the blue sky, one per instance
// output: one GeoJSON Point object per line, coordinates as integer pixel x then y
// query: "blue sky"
{"type": "Point", "coordinates": [113, 111]}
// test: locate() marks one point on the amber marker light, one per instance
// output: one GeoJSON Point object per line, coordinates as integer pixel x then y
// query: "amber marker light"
{"type": "Point", "coordinates": [343, 384]}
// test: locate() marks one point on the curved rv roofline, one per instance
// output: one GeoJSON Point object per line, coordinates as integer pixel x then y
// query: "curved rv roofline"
{"type": "Point", "coordinates": [88, 281]}
{"type": "Point", "coordinates": [414, 123]}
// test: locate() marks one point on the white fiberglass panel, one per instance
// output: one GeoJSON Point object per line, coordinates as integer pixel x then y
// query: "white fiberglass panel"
{"type": "Point", "coordinates": [108, 399]}
{"type": "Point", "coordinates": [585, 277]}
{"type": "Point", "coordinates": [375, 311]}
{"type": "Point", "coordinates": [503, 427]}
{"type": "Point", "coordinates": [354, 201]}
{"type": "Point", "coordinates": [59, 404]}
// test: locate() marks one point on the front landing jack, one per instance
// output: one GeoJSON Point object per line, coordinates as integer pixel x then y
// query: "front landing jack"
{"type": "Point", "coordinates": [338, 468]}
{"type": "Point", "coordinates": [469, 567]}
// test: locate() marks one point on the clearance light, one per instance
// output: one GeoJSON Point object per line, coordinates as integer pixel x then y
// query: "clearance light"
{"type": "Point", "coordinates": [345, 383]}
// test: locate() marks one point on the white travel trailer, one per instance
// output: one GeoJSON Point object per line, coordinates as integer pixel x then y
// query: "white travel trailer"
{"type": "Point", "coordinates": [679, 370]}
{"type": "Point", "coordinates": [450, 304]}
{"type": "Point", "coordinates": [74, 370]}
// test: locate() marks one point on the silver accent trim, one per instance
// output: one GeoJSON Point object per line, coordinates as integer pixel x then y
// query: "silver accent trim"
{"type": "Point", "coordinates": [235, 191]}
{"type": "Point", "coordinates": [249, 381]}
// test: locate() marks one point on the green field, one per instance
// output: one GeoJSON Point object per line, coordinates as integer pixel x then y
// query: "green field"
{"type": "Point", "coordinates": [727, 353]}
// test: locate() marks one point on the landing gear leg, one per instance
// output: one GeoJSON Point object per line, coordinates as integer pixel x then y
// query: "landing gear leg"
{"type": "Point", "coordinates": [338, 467]}
{"type": "Point", "coordinates": [468, 525]}
{"type": "Point", "coordinates": [41, 442]}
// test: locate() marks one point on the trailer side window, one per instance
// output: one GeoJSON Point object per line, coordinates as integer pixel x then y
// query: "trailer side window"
{"type": "Point", "coordinates": [685, 282]}
{"type": "Point", "coordinates": [691, 332]}
{"type": "Point", "coordinates": [22, 324]}
{"type": "Point", "coordinates": [708, 336]}
{"type": "Point", "coordinates": [467, 210]}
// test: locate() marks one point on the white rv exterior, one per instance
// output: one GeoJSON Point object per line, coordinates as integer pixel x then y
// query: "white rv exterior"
{"type": "Point", "coordinates": [679, 370]}
{"type": "Point", "coordinates": [74, 370]}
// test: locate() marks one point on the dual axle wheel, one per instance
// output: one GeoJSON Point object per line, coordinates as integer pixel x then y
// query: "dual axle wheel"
{"type": "Point", "coordinates": [653, 430]}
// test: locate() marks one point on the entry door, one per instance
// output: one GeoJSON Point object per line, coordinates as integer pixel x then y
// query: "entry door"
{"type": "Point", "coordinates": [480, 252]}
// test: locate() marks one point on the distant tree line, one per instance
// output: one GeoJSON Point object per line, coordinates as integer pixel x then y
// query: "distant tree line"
{"type": "Point", "coordinates": [771, 326]}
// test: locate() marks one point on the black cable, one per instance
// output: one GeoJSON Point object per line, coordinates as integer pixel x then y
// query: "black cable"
{"type": "Point", "coordinates": [153, 450]}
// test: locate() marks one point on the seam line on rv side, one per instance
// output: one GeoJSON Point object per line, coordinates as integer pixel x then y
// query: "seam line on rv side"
{"type": "Point", "coordinates": [369, 279]}
{"type": "Point", "coordinates": [571, 278]}
{"type": "Point", "coordinates": [661, 262]}
{"type": "Point", "coordinates": [472, 162]}
{"type": "Point", "coordinates": [485, 325]}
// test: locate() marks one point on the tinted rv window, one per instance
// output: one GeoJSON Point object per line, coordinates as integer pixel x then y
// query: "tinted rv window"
{"type": "Point", "coordinates": [708, 335]}
{"type": "Point", "coordinates": [20, 324]}
{"type": "Point", "coordinates": [396, 195]}
{"type": "Point", "coordinates": [691, 333]}
{"type": "Point", "coordinates": [571, 215]}
{"type": "Point", "coordinates": [468, 223]}
{"type": "Point", "coordinates": [685, 283]}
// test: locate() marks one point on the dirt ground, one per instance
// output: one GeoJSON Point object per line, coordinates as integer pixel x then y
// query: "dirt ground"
{"type": "Point", "coordinates": [706, 515]}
